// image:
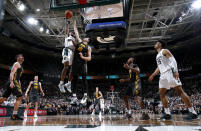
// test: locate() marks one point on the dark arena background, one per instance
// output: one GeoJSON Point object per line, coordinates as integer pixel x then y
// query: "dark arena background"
{"type": "Point", "coordinates": [118, 30]}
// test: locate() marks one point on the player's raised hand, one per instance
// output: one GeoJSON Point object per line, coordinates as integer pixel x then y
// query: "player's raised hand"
{"type": "Point", "coordinates": [126, 66]}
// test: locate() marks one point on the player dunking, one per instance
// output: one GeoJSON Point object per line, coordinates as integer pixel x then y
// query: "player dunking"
{"type": "Point", "coordinates": [134, 88]}
{"type": "Point", "coordinates": [67, 54]}
{"type": "Point", "coordinates": [14, 86]}
{"type": "Point", "coordinates": [34, 87]}
{"type": "Point", "coordinates": [82, 54]}
{"type": "Point", "coordinates": [169, 77]}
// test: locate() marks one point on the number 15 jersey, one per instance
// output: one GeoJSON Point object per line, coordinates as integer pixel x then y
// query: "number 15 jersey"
{"type": "Point", "coordinates": [163, 62]}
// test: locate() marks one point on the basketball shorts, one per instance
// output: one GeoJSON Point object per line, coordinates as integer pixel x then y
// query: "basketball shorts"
{"type": "Point", "coordinates": [67, 56]}
{"type": "Point", "coordinates": [97, 103]}
{"type": "Point", "coordinates": [33, 98]}
{"type": "Point", "coordinates": [16, 90]}
{"type": "Point", "coordinates": [134, 89]}
{"type": "Point", "coordinates": [167, 80]}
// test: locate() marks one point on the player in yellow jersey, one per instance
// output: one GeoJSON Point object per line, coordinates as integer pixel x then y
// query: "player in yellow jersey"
{"type": "Point", "coordinates": [134, 88]}
{"type": "Point", "coordinates": [34, 88]}
{"type": "Point", "coordinates": [14, 86]}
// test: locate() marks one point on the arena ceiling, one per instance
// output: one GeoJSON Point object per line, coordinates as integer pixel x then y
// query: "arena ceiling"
{"type": "Point", "coordinates": [149, 21]}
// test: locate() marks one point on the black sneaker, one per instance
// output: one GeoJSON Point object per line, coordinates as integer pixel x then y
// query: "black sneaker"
{"type": "Point", "coordinates": [15, 117]}
{"type": "Point", "coordinates": [144, 116]}
{"type": "Point", "coordinates": [166, 117]}
{"type": "Point", "coordinates": [128, 116]}
{"type": "Point", "coordinates": [191, 116]}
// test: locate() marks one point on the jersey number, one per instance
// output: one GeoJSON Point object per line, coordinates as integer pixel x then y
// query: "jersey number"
{"type": "Point", "coordinates": [159, 61]}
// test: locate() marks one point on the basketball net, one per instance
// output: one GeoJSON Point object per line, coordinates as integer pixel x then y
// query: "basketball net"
{"type": "Point", "coordinates": [87, 21]}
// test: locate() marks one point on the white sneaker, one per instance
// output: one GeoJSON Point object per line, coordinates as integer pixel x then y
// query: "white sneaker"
{"type": "Point", "coordinates": [68, 87]}
{"type": "Point", "coordinates": [35, 115]}
{"type": "Point", "coordinates": [74, 100]}
{"type": "Point", "coordinates": [61, 88]}
{"type": "Point", "coordinates": [93, 113]}
{"type": "Point", "coordinates": [25, 114]}
{"type": "Point", "coordinates": [84, 100]}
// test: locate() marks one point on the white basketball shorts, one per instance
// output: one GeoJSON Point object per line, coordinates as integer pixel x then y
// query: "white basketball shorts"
{"type": "Point", "coordinates": [167, 80]}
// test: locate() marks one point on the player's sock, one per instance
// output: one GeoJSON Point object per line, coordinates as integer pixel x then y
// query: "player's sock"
{"type": "Point", "coordinates": [191, 109]}
{"type": "Point", "coordinates": [167, 111]}
{"type": "Point", "coordinates": [14, 112]}
{"type": "Point", "coordinates": [69, 82]}
{"type": "Point", "coordinates": [61, 82]}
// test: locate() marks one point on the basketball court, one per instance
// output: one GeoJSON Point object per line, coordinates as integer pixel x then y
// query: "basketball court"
{"type": "Point", "coordinates": [95, 123]}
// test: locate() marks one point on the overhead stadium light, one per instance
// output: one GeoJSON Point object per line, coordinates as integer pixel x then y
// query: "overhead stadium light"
{"type": "Point", "coordinates": [41, 29]}
{"type": "Point", "coordinates": [196, 4]}
{"type": "Point", "coordinates": [32, 21]}
{"type": "Point", "coordinates": [21, 6]}
{"type": "Point", "coordinates": [47, 31]}
{"type": "Point", "coordinates": [37, 10]}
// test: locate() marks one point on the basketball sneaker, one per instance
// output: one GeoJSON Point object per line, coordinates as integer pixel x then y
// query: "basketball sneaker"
{"type": "Point", "coordinates": [61, 87]}
{"type": "Point", "coordinates": [68, 87]}
{"type": "Point", "coordinates": [128, 114]}
{"type": "Point", "coordinates": [15, 117]}
{"type": "Point", "coordinates": [93, 113]}
{"type": "Point", "coordinates": [191, 116]}
{"type": "Point", "coordinates": [84, 99]}
{"type": "Point", "coordinates": [144, 116]}
{"type": "Point", "coordinates": [25, 114]}
{"type": "Point", "coordinates": [74, 99]}
{"type": "Point", "coordinates": [166, 117]}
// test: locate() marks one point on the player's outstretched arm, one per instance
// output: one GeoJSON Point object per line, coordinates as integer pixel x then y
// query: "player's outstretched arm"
{"type": "Point", "coordinates": [101, 95]}
{"type": "Point", "coordinates": [151, 77]}
{"type": "Point", "coordinates": [30, 83]}
{"type": "Point", "coordinates": [67, 28]}
{"type": "Point", "coordinates": [76, 31]}
{"type": "Point", "coordinates": [41, 90]}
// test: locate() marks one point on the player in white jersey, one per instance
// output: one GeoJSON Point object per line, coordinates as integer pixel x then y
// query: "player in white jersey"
{"type": "Point", "coordinates": [67, 55]}
{"type": "Point", "coordinates": [169, 77]}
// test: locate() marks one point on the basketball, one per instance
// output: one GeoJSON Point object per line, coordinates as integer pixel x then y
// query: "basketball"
{"type": "Point", "coordinates": [82, 2]}
{"type": "Point", "coordinates": [68, 14]}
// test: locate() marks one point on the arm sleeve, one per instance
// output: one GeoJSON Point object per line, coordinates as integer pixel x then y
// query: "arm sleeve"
{"type": "Point", "coordinates": [63, 51]}
{"type": "Point", "coordinates": [173, 64]}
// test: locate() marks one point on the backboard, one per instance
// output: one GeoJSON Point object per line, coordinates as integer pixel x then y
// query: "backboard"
{"type": "Point", "coordinates": [103, 12]}
{"type": "Point", "coordinates": [74, 4]}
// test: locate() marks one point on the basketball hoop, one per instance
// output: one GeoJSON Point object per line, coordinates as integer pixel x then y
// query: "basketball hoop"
{"type": "Point", "coordinates": [87, 21]}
